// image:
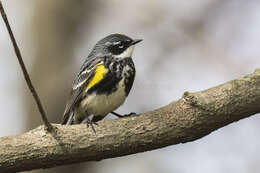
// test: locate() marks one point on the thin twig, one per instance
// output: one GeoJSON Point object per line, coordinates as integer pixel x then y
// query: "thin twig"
{"type": "Point", "coordinates": [25, 73]}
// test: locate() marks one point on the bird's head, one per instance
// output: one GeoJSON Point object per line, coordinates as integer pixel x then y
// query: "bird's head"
{"type": "Point", "coordinates": [117, 45]}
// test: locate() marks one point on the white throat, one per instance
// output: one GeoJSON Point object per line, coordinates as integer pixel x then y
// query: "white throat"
{"type": "Point", "coordinates": [127, 53]}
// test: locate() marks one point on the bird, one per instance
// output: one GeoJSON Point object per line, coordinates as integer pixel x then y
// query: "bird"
{"type": "Point", "coordinates": [103, 82]}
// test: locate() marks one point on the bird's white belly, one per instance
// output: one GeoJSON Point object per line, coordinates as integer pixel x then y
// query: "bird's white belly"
{"type": "Point", "coordinates": [104, 104]}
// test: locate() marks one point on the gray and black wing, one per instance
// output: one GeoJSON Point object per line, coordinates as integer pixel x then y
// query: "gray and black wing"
{"type": "Point", "coordinates": [86, 73]}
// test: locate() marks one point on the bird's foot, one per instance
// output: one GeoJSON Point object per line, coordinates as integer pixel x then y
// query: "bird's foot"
{"type": "Point", "coordinates": [90, 123]}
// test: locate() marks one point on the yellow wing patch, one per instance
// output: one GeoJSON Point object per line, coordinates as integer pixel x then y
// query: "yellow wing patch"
{"type": "Point", "coordinates": [99, 74]}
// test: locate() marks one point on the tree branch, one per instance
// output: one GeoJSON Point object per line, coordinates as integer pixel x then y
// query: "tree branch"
{"type": "Point", "coordinates": [25, 73]}
{"type": "Point", "coordinates": [191, 117]}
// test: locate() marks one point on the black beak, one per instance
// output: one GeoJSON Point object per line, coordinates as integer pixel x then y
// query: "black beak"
{"type": "Point", "coordinates": [136, 41]}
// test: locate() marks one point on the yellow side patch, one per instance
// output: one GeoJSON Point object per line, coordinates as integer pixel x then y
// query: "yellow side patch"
{"type": "Point", "coordinates": [98, 76]}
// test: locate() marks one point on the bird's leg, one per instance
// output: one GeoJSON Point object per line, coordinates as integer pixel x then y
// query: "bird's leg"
{"type": "Point", "coordinates": [89, 123]}
{"type": "Point", "coordinates": [121, 116]}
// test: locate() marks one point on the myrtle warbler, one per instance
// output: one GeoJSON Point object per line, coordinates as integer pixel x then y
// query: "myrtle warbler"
{"type": "Point", "coordinates": [104, 81]}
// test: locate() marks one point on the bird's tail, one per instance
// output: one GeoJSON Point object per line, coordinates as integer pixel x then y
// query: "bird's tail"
{"type": "Point", "coordinates": [68, 118]}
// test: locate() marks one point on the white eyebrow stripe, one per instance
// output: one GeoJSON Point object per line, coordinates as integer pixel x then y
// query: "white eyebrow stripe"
{"type": "Point", "coordinates": [116, 43]}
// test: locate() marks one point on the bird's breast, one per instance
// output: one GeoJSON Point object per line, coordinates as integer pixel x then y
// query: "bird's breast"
{"type": "Point", "coordinates": [102, 104]}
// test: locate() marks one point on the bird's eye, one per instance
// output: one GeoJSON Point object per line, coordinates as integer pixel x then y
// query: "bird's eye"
{"type": "Point", "coordinates": [118, 47]}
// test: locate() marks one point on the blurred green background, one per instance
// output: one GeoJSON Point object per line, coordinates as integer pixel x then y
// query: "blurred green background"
{"type": "Point", "coordinates": [188, 46]}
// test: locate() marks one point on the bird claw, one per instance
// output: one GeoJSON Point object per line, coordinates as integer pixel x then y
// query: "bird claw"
{"type": "Point", "coordinates": [91, 124]}
{"type": "Point", "coordinates": [122, 116]}
{"type": "Point", "coordinates": [130, 114]}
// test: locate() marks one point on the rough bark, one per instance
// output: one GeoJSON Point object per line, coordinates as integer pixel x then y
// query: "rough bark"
{"type": "Point", "coordinates": [187, 119]}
